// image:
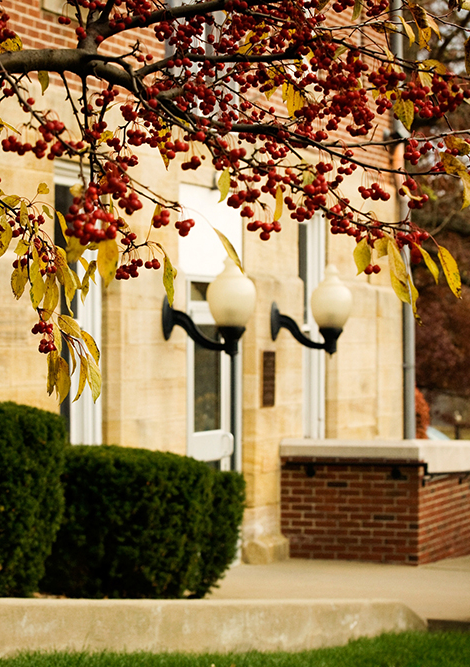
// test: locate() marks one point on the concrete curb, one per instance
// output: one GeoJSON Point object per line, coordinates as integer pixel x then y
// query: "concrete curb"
{"type": "Point", "coordinates": [195, 625]}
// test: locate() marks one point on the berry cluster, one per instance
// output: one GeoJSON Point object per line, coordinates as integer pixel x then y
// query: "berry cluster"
{"type": "Point", "coordinates": [184, 226]}
{"type": "Point", "coordinates": [46, 344]}
{"type": "Point", "coordinates": [375, 192]}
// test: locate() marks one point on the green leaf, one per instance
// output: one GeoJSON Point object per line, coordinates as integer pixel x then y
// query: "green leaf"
{"type": "Point", "coordinates": [451, 271]}
{"type": "Point", "coordinates": [43, 77]}
{"type": "Point", "coordinates": [362, 255]}
{"type": "Point", "coordinates": [224, 184]}
{"type": "Point", "coordinates": [357, 9]}
{"type": "Point", "coordinates": [108, 258]}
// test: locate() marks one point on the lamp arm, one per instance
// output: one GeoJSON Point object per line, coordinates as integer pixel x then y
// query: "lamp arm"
{"type": "Point", "coordinates": [172, 318]}
{"type": "Point", "coordinates": [279, 321]}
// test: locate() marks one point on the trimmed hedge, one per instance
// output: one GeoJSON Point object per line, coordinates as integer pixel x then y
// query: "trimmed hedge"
{"type": "Point", "coordinates": [32, 446]}
{"type": "Point", "coordinates": [143, 524]}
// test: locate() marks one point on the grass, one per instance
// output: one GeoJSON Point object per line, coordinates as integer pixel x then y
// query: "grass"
{"type": "Point", "coordinates": [446, 649]}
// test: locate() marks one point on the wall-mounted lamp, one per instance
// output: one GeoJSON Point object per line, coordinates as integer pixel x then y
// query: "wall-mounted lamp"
{"type": "Point", "coordinates": [231, 298]}
{"type": "Point", "coordinates": [331, 304]}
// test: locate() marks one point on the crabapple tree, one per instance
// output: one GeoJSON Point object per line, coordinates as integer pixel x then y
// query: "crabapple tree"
{"type": "Point", "coordinates": [286, 99]}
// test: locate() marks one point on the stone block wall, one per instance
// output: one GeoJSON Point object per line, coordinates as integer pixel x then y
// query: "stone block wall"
{"type": "Point", "coordinates": [384, 510]}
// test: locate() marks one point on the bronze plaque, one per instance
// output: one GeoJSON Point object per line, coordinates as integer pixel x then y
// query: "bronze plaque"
{"type": "Point", "coordinates": [269, 379]}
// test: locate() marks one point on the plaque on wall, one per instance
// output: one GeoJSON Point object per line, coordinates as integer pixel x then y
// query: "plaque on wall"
{"type": "Point", "coordinates": [269, 379]}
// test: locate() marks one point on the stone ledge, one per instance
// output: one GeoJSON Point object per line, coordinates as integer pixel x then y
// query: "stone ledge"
{"type": "Point", "coordinates": [195, 625]}
{"type": "Point", "coordinates": [439, 457]}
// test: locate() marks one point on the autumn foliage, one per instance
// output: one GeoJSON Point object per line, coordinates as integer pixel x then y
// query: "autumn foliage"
{"type": "Point", "coordinates": [286, 100]}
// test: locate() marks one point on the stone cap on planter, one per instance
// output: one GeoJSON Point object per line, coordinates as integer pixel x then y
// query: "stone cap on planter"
{"type": "Point", "coordinates": [438, 456]}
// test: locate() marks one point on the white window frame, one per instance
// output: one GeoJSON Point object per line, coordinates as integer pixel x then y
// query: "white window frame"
{"type": "Point", "coordinates": [86, 418]}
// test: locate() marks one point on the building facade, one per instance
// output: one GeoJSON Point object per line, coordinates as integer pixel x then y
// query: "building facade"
{"type": "Point", "coordinates": [174, 396]}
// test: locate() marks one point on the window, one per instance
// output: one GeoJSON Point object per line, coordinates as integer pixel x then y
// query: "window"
{"type": "Point", "coordinates": [83, 417]}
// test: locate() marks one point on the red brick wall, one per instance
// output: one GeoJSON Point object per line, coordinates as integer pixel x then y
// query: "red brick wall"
{"type": "Point", "coordinates": [381, 511]}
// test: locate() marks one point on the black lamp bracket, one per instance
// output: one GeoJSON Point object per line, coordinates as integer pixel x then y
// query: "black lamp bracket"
{"type": "Point", "coordinates": [279, 321]}
{"type": "Point", "coordinates": [172, 318]}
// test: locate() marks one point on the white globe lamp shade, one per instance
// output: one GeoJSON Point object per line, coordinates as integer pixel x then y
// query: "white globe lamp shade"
{"type": "Point", "coordinates": [231, 297]}
{"type": "Point", "coordinates": [331, 301]}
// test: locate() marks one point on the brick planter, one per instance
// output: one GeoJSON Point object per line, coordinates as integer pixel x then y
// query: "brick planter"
{"type": "Point", "coordinates": [376, 502]}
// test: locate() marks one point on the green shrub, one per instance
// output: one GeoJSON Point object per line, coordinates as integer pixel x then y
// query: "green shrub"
{"type": "Point", "coordinates": [32, 445]}
{"type": "Point", "coordinates": [137, 524]}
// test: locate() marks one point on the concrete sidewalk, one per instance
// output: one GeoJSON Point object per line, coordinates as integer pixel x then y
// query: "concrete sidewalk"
{"type": "Point", "coordinates": [436, 591]}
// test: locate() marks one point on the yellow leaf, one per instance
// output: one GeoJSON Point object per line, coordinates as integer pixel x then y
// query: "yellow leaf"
{"type": "Point", "coordinates": [451, 271]}
{"type": "Point", "coordinates": [465, 176]}
{"type": "Point", "coordinates": [51, 295]}
{"type": "Point", "coordinates": [279, 203]}
{"type": "Point", "coordinates": [65, 276]}
{"type": "Point", "coordinates": [381, 247]}
{"type": "Point", "coordinates": [461, 145]}
{"type": "Point", "coordinates": [430, 263]}
{"type": "Point", "coordinates": [24, 215]}
{"type": "Point", "coordinates": [57, 338]}
{"type": "Point", "coordinates": [37, 290]}
{"type": "Point", "coordinates": [43, 77]}
{"type": "Point", "coordinates": [82, 378]}
{"type": "Point", "coordinates": [405, 112]}
{"type": "Point", "coordinates": [434, 66]}
{"type": "Point", "coordinates": [52, 364]}
{"type": "Point", "coordinates": [89, 273]}
{"type": "Point", "coordinates": [69, 326]}
{"type": "Point", "coordinates": [62, 382]}
{"type": "Point", "coordinates": [409, 30]}
{"type": "Point", "coordinates": [19, 278]}
{"type": "Point", "coordinates": [71, 356]}
{"type": "Point", "coordinates": [12, 44]}
{"type": "Point", "coordinates": [293, 98]}
{"type": "Point", "coordinates": [401, 289]}
{"type": "Point", "coordinates": [22, 248]}
{"type": "Point", "coordinates": [62, 223]}
{"type": "Point", "coordinates": [230, 250]}
{"type": "Point", "coordinates": [104, 136]}
{"type": "Point", "coordinates": [396, 263]}
{"type": "Point", "coordinates": [93, 377]}
{"type": "Point", "coordinates": [13, 129]}
{"type": "Point", "coordinates": [91, 345]}
{"type": "Point", "coordinates": [11, 200]}
{"type": "Point", "coordinates": [224, 184]}
{"type": "Point", "coordinates": [108, 258]}
{"type": "Point", "coordinates": [362, 255]}
{"type": "Point", "coordinates": [169, 275]}
{"type": "Point", "coordinates": [5, 235]}
{"type": "Point", "coordinates": [414, 297]}
{"type": "Point", "coordinates": [384, 27]}
{"type": "Point", "coordinates": [74, 249]}
{"type": "Point", "coordinates": [76, 190]}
